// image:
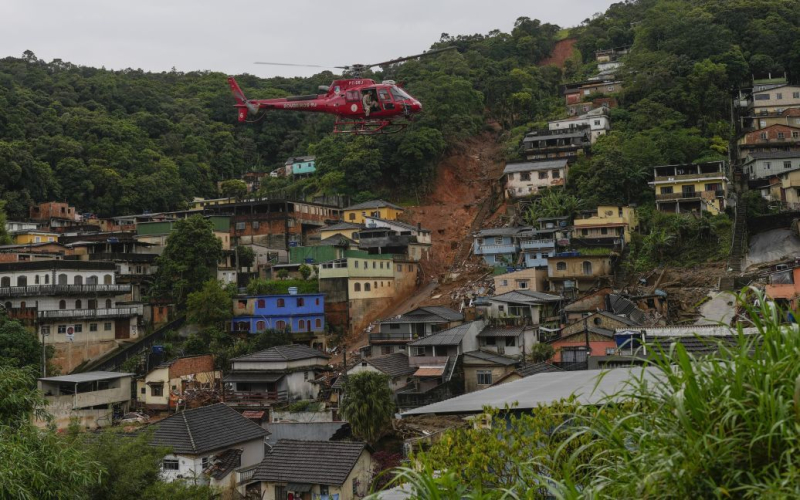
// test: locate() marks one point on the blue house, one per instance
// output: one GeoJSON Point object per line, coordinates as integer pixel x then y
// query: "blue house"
{"type": "Point", "coordinates": [301, 314]}
{"type": "Point", "coordinates": [498, 246]}
{"type": "Point", "coordinates": [300, 166]}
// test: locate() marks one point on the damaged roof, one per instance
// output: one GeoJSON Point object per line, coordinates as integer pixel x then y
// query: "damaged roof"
{"type": "Point", "coordinates": [526, 297]}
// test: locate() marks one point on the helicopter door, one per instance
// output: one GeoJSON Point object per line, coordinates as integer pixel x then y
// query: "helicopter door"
{"type": "Point", "coordinates": [386, 99]}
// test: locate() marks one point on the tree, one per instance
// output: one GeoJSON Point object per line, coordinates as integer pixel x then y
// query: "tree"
{"type": "Point", "coordinates": [553, 203]}
{"type": "Point", "coordinates": [305, 271]}
{"type": "Point", "coordinates": [37, 463]}
{"type": "Point", "coordinates": [234, 188]}
{"type": "Point", "coordinates": [18, 347]}
{"type": "Point", "coordinates": [5, 239]}
{"type": "Point", "coordinates": [245, 256]}
{"type": "Point", "coordinates": [283, 274]}
{"type": "Point", "coordinates": [189, 259]}
{"type": "Point", "coordinates": [210, 306]}
{"type": "Point", "coordinates": [541, 352]}
{"type": "Point", "coordinates": [368, 404]}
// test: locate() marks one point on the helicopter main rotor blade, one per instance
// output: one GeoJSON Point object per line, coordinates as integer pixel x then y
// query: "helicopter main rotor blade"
{"type": "Point", "coordinates": [299, 65]}
{"type": "Point", "coordinates": [401, 59]}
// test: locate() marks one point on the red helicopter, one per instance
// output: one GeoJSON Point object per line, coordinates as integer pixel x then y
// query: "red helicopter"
{"type": "Point", "coordinates": [361, 105]}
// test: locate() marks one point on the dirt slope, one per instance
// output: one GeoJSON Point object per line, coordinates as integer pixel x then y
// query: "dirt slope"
{"type": "Point", "coordinates": [561, 52]}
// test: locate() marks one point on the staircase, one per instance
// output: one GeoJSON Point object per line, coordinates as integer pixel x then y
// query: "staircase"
{"type": "Point", "coordinates": [739, 239]}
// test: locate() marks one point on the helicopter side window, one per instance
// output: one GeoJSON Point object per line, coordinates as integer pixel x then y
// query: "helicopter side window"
{"type": "Point", "coordinates": [399, 94]}
{"type": "Point", "coordinates": [386, 99]}
{"type": "Point", "coordinates": [353, 96]}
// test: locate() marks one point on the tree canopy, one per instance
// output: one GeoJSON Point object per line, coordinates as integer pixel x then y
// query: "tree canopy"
{"type": "Point", "coordinates": [368, 404]}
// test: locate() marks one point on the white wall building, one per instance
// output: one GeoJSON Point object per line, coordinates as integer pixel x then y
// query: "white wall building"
{"type": "Point", "coordinates": [597, 120]}
{"type": "Point", "coordinates": [527, 178]}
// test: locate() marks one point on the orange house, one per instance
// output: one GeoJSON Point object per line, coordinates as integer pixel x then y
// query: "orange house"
{"type": "Point", "coordinates": [784, 287]}
{"type": "Point", "coordinates": [577, 347]}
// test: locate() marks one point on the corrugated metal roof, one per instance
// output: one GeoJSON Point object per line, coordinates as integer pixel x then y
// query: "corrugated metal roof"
{"type": "Point", "coordinates": [492, 357]}
{"type": "Point", "coordinates": [502, 331]}
{"type": "Point", "coordinates": [542, 388]}
{"type": "Point", "coordinates": [526, 297]}
{"type": "Point", "coordinates": [77, 378]}
{"type": "Point", "coordinates": [451, 336]}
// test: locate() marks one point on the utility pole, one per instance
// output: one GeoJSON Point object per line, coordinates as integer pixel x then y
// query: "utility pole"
{"type": "Point", "coordinates": [44, 353]}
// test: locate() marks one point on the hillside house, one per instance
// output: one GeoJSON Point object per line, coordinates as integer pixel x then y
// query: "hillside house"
{"type": "Point", "coordinates": [300, 166]}
{"type": "Point", "coordinates": [208, 444]}
{"type": "Point", "coordinates": [771, 138]}
{"type": "Point", "coordinates": [528, 178]}
{"type": "Point", "coordinates": [356, 214]}
{"type": "Point", "coordinates": [524, 279]}
{"type": "Point", "coordinates": [513, 340]}
{"type": "Point", "coordinates": [164, 385]}
{"type": "Point", "coordinates": [597, 120]}
{"type": "Point", "coordinates": [95, 399]}
{"type": "Point", "coordinates": [604, 86]}
{"type": "Point", "coordinates": [346, 229]}
{"type": "Point", "coordinates": [691, 188]}
{"type": "Point", "coordinates": [525, 307]}
{"type": "Point", "coordinates": [572, 351]}
{"type": "Point", "coordinates": [605, 227]}
{"type": "Point", "coordinates": [301, 314]}
{"type": "Point", "coordinates": [784, 288]}
{"type": "Point", "coordinates": [581, 108]}
{"type": "Point", "coordinates": [395, 366]}
{"type": "Point", "coordinates": [498, 246]}
{"type": "Point", "coordinates": [526, 370]}
{"type": "Point", "coordinates": [384, 240]}
{"type": "Point", "coordinates": [276, 374]}
{"type": "Point", "coordinates": [788, 117]}
{"type": "Point", "coordinates": [32, 236]}
{"type": "Point", "coordinates": [396, 332]}
{"type": "Point", "coordinates": [310, 469]}
{"type": "Point", "coordinates": [762, 165]}
{"type": "Point", "coordinates": [483, 368]}
{"type": "Point", "coordinates": [773, 100]}
{"type": "Point", "coordinates": [54, 214]}
{"type": "Point", "coordinates": [788, 189]}
{"type": "Point", "coordinates": [571, 272]}
{"type": "Point", "coordinates": [569, 144]}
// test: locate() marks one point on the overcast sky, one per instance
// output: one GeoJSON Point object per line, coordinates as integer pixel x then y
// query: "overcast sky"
{"type": "Point", "coordinates": [230, 35]}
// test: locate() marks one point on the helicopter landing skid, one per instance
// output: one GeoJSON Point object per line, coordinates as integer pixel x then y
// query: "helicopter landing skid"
{"type": "Point", "coordinates": [367, 127]}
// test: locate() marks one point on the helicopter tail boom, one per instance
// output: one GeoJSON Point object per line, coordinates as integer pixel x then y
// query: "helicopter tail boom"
{"type": "Point", "coordinates": [241, 100]}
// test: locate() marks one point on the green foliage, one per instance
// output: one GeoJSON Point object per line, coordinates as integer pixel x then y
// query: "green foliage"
{"type": "Point", "coordinates": [368, 404]}
{"type": "Point", "coordinates": [5, 238]}
{"type": "Point", "coordinates": [279, 287]}
{"type": "Point", "coordinates": [552, 203]}
{"type": "Point", "coordinates": [283, 274]}
{"type": "Point", "coordinates": [211, 305]}
{"type": "Point", "coordinates": [541, 352]}
{"type": "Point", "coordinates": [19, 399]}
{"type": "Point", "coordinates": [245, 256]}
{"type": "Point", "coordinates": [18, 347]}
{"type": "Point", "coordinates": [233, 188]}
{"type": "Point", "coordinates": [189, 259]}
{"type": "Point", "coordinates": [301, 406]}
{"type": "Point", "coordinates": [305, 271]}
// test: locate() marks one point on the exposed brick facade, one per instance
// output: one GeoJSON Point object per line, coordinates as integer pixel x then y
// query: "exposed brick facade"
{"type": "Point", "coordinates": [194, 364]}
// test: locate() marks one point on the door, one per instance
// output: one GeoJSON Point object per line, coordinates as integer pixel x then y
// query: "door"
{"type": "Point", "coordinates": [122, 329]}
{"type": "Point", "coordinates": [386, 99]}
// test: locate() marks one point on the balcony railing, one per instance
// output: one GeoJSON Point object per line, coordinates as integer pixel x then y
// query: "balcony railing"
{"type": "Point", "coordinates": [254, 398]}
{"type": "Point", "coordinates": [114, 312]}
{"type": "Point", "coordinates": [677, 177]}
{"type": "Point", "coordinates": [428, 361]}
{"type": "Point", "coordinates": [694, 195]}
{"type": "Point", "coordinates": [494, 249]}
{"type": "Point", "coordinates": [528, 244]}
{"type": "Point", "coordinates": [40, 290]}
{"type": "Point", "coordinates": [391, 336]}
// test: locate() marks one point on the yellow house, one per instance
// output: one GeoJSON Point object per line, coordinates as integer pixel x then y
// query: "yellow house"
{"type": "Point", "coordinates": [375, 208]}
{"type": "Point", "coordinates": [28, 237]}
{"type": "Point", "coordinates": [344, 228]}
{"type": "Point", "coordinates": [790, 189]}
{"type": "Point", "coordinates": [608, 222]}
{"type": "Point", "coordinates": [201, 203]}
{"type": "Point", "coordinates": [691, 188]}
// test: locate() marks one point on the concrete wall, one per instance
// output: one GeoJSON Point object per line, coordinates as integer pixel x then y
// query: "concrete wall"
{"type": "Point", "coordinates": [471, 374]}
{"type": "Point", "coordinates": [509, 282]}
{"type": "Point", "coordinates": [191, 466]}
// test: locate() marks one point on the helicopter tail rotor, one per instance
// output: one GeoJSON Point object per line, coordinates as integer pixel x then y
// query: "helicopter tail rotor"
{"type": "Point", "coordinates": [241, 101]}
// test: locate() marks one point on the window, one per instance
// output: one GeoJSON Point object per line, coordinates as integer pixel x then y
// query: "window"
{"type": "Point", "coordinates": [542, 175]}
{"type": "Point", "coordinates": [761, 97]}
{"type": "Point", "coordinates": [795, 95]}
{"type": "Point", "coordinates": [555, 174]}
{"type": "Point", "coordinates": [603, 230]}
{"type": "Point", "coordinates": [318, 323]}
{"type": "Point", "coordinates": [281, 303]}
{"type": "Point", "coordinates": [418, 350]}
{"type": "Point", "coordinates": [523, 284]}
{"type": "Point", "coordinates": [666, 190]}
{"type": "Point", "coordinates": [356, 264]}
{"type": "Point", "coordinates": [763, 136]}
{"type": "Point", "coordinates": [795, 135]}
{"type": "Point", "coordinates": [240, 226]}
{"type": "Point", "coordinates": [767, 164]}
{"type": "Point", "coordinates": [78, 304]}
{"type": "Point", "coordinates": [511, 341]}
{"type": "Point", "coordinates": [597, 123]}
{"type": "Point", "coordinates": [62, 279]}
{"type": "Point", "coordinates": [262, 303]}
{"type": "Point", "coordinates": [587, 268]}
{"type": "Point", "coordinates": [144, 390]}
{"type": "Point", "coordinates": [158, 391]}
{"type": "Point", "coordinates": [280, 325]}
{"type": "Point", "coordinates": [6, 281]}
{"type": "Point", "coordinates": [573, 355]}
{"type": "Point", "coordinates": [484, 377]}
{"type": "Point", "coordinates": [261, 326]}
{"type": "Point", "coordinates": [525, 176]}
{"type": "Point", "coordinates": [584, 232]}
{"type": "Point", "coordinates": [561, 266]}
{"type": "Point", "coordinates": [91, 280]}
{"type": "Point", "coordinates": [37, 239]}
{"type": "Point", "coordinates": [62, 328]}
{"type": "Point", "coordinates": [501, 308]}
{"type": "Point", "coordinates": [357, 287]}
{"type": "Point", "coordinates": [779, 95]}
{"type": "Point", "coordinates": [400, 267]}
{"type": "Point", "coordinates": [255, 224]}
{"type": "Point", "coordinates": [301, 301]}
{"type": "Point", "coordinates": [787, 164]}
{"type": "Point", "coordinates": [92, 327]}
{"type": "Point", "coordinates": [316, 301]}
{"type": "Point", "coordinates": [109, 305]}
{"type": "Point", "coordinates": [62, 304]}
{"type": "Point", "coordinates": [36, 280]}
{"type": "Point", "coordinates": [168, 463]}
{"type": "Point", "coordinates": [22, 281]}
{"type": "Point", "coordinates": [351, 216]}
{"type": "Point", "coordinates": [610, 351]}
{"type": "Point", "coordinates": [106, 326]}
{"type": "Point", "coordinates": [781, 135]}
{"type": "Point", "coordinates": [107, 278]}
{"type": "Point", "coordinates": [302, 324]}
{"type": "Point", "coordinates": [205, 462]}
{"type": "Point", "coordinates": [374, 264]}
{"type": "Point", "coordinates": [78, 328]}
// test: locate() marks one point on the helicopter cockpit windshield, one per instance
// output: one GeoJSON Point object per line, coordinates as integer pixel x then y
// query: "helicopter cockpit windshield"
{"type": "Point", "coordinates": [399, 94]}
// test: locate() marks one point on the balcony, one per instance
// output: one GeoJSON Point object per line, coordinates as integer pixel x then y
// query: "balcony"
{"type": "Point", "coordinates": [709, 175]}
{"type": "Point", "coordinates": [43, 290]}
{"type": "Point", "coordinates": [695, 195]}
{"type": "Point", "coordinates": [391, 337]}
{"type": "Point", "coordinates": [537, 244]}
{"type": "Point", "coordinates": [124, 257]}
{"type": "Point", "coordinates": [249, 398]}
{"type": "Point", "coordinates": [114, 312]}
{"type": "Point", "coordinates": [428, 361]}
{"type": "Point", "coordinates": [494, 249]}
{"type": "Point", "coordinates": [533, 261]}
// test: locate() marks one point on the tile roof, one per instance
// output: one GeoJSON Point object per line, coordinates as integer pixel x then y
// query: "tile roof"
{"type": "Point", "coordinates": [444, 312]}
{"type": "Point", "coordinates": [200, 430]}
{"type": "Point", "coordinates": [249, 376]}
{"type": "Point", "coordinates": [394, 365]}
{"type": "Point", "coordinates": [451, 336]}
{"type": "Point", "coordinates": [429, 371]}
{"type": "Point", "coordinates": [502, 331]}
{"type": "Point", "coordinates": [773, 155]}
{"type": "Point", "coordinates": [529, 166]}
{"type": "Point", "coordinates": [310, 462]}
{"type": "Point", "coordinates": [292, 352]}
{"type": "Point", "coordinates": [526, 297]}
{"type": "Point", "coordinates": [433, 314]}
{"type": "Point", "coordinates": [341, 225]}
{"type": "Point", "coordinates": [492, 357]}
{"type": "Point", "coordinates": [373, 204]}
{"type": "Point", "coordinates": [305, 431]}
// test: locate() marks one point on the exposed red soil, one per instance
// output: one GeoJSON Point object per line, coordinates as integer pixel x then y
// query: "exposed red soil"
{"type": "Point", "coordinates": [562, 51]}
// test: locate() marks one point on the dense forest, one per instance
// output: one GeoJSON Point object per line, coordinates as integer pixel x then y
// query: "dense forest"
{"type": "Point", "coordinates": [113, 142]}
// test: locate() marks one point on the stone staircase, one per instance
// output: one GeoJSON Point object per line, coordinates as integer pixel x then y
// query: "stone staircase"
{"type": "Point", "coordinates": [739, 243]}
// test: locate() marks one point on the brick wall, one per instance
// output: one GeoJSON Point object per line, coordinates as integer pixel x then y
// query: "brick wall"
{"type": "Point", "coordinates": [194, 364]}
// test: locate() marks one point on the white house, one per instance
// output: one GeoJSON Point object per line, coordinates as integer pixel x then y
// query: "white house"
{"type": "Point", "coordinates": [89, 397]}
{"type": "Point", "coordinates": [597, 120]}
{"type": "Point", "coordinates": [208, 444]}
{"type": "Point", "coordinates": [527, 178]}
{"type": "Point", "coordinates": [760, 165]}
